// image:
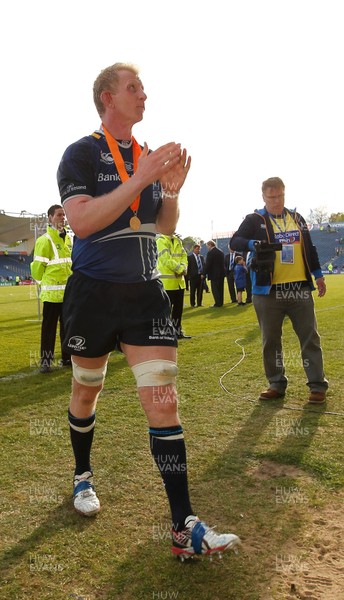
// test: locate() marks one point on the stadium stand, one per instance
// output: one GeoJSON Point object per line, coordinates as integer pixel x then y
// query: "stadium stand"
{"type": "Point", "coordinates": [13, 265]}
{"type": "Point", "coordinates": [329, 242]}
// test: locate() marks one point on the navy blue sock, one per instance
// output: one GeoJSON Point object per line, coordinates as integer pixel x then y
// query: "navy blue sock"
{"type": "Point", "coordinates": [168, 449]}
{"type": "Point", "coordinates": [81, 435]}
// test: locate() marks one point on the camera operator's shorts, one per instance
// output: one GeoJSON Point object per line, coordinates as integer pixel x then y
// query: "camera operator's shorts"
{"type": "Point", "coordinates": [99, 315]}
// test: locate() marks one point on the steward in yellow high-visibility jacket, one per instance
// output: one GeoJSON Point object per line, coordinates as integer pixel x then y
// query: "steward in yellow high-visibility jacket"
{"type": "Point", "coordinates": [172, 265]}
{"type": "Point", "coordinates": [52, 264]}
{"type": "Point", "coordinates": [172, 262]}
{"type": "Point", "coordinates": [51, 267]}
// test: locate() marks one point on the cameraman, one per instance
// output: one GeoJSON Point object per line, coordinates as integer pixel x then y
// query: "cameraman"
{"type": "Point", "coordinates": [282, 261]}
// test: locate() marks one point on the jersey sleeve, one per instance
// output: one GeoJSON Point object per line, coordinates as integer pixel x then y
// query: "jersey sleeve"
{"type": "Point", "coordinates": [75, 175]}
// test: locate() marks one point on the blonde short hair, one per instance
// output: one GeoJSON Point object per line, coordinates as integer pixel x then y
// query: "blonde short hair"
{"type": "Point", "coordinates": [108, 80]}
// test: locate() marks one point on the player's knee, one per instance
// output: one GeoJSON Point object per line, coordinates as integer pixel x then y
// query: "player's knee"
{"type": "Point", "coordinates": [155, 373]}
{"type": "Point", "coordinates": [159, 403]}
{"type": "Point", "coordinates": [91, 378]}
{"type": "Point", "coordinates": [85, 396]}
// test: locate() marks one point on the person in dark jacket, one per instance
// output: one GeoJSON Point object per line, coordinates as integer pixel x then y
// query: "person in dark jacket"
{"type": "Point", "coordinates": [195, 275]}
{"type": "Point", "coordinates": [282, 286]}
{"type": "Point", "coordinates": [229, 271]}
{"type": "Point", "coordinates": [215, 270]}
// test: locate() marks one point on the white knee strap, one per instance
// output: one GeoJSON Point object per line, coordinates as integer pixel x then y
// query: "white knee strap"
{"type": "Point", "coordinates": [155, 372]}
{"type": "Point", "coordinates": [89, 377]}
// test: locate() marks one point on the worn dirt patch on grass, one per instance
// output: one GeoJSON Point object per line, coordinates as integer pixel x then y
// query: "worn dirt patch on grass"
{"type": "Point", "coordinates": [309, 566]}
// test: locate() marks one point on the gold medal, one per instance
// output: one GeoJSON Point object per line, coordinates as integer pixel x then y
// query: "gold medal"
{"type": "Point", "coordinates": [135, 223]}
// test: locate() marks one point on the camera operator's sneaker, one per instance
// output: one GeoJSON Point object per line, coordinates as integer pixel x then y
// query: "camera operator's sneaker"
{"type": "Point", "coordinates": [198, 538]}
{"type": "Point", "coordinates": [85, 499]}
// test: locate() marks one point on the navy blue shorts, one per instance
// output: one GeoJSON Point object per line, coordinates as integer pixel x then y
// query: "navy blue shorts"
{"type": "Point", "coordinates": [99, 315]}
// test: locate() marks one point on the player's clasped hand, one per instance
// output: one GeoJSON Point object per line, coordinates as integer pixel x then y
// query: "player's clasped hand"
{"type": "Point", "coordinates": [168, 164]}
{"type": "Point", "coordinates": [176, 174]}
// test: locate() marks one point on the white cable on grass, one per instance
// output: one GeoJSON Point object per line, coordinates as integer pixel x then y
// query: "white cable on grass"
{"type": "Point", "coordinates": [340, 414]}
{"type": "Point", "coordinates": [234, 367]}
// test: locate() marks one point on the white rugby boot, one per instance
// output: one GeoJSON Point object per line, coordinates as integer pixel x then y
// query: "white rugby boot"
{"type": "Point", "coordinates": [85, 498]}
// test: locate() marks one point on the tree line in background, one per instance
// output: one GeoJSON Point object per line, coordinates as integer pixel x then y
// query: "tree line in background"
{"type": "Point", "coordinates": [320, 215]}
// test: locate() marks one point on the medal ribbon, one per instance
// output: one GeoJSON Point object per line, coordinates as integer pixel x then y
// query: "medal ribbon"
{"type": "Point", "coordinates": [119, 162]}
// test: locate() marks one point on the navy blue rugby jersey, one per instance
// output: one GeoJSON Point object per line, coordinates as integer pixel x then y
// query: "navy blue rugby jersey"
{"type": "Point", "coordinates": [116, 253]}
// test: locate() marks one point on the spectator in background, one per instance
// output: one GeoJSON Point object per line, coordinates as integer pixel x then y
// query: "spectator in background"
{"type": "Point", "coordinates": [195, 275]}
{"type": "Point", "coordinates": [240, 272]}
{"type": "Point", "coordinates": [215, 271]}
{"type": "Point", "coordinates": [51, 268]}
{"type": "Point", "coordinates": [172, 265]}
{"type": "Point", "coordinates": [229, 270]}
